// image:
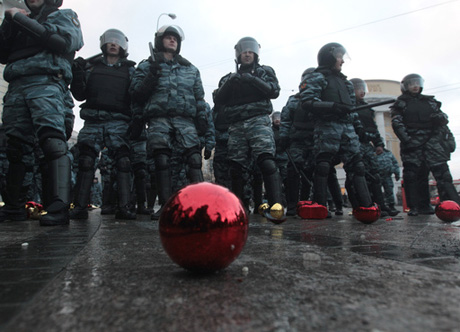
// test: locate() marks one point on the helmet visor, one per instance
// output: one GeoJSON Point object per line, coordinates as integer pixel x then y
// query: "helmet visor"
{"type": "Point", "coordinates": [413, 82]}
{"type": "Point", "coordinates": [339, 52]}
{"type": "Point", "coordinates": [247, 46]}
{"type": "Point", "coordinates": [115, 37]}
{"type": "Point", "coordinates": [173, 29]}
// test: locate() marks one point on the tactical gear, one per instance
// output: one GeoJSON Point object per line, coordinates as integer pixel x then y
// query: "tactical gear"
{"type": "Point", "coordinates": [114, 36]}
{"type": "Point", "coordinates": [329, 53]}
{"type": "Point", "coordinates": [411, 79]}
{"type": "Point", "coordinates": [107, 88]}
{"type": "Point", "coordinates": [247, 44]}
{"type": "Point", "coordinates": [168, 30]}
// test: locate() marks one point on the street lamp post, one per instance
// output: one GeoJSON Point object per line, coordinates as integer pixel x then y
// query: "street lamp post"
{"type": "Point", "coordinates": [173, 16]}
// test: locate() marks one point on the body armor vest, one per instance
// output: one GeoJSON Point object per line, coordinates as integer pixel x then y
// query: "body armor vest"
{"type": "Point", "coordinates": [418, 114]}
{"type": "Point", "coordinates": [107, 88]}
{"type": "Point", "coordinates": [366, 116]}
{"type": "Point", "coordinates": [336, 90]}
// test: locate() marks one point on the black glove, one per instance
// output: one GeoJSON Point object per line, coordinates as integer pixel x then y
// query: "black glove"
{"type": "Point", "coordinates": [235, 77]}
{"type": "Point", "coordinates": [207, 153]}
{"type": "Point", "coordinates": [80, 63]}
{"type": "Point", "coordinates": [135, 128]}
{"type": "Point", "coordinates": [68, 128]}
{"type": "Point", "coordinates": [201, 126]}
{"type": "Point", "coordinates": [397, 177]}
{"type": "Point", "coordinates": [155, 68]}
{"type": "Point", "coordinates": [283, 143]}
{"type": "Point", "coordinates": [246, 77]}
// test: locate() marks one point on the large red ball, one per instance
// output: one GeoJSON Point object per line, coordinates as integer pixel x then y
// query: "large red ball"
{"type": "Point", "coordinates": [367, 215]}
{"type": "Point", "coordinates": [448, 211]}
{"type": "Point", "coordinates": [203, 227]}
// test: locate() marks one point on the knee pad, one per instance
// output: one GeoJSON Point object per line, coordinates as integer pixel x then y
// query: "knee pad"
{"type": "Point", "coordinates": [122, 152]}
{"type": "Point", "coordinates": [140, 173]}
{"type": "Point", "coordinates": [266, 164]}
{"type": "Point", "coordinates": [442, 172]}
{"type": "Point", "coordinates": [322, 169]}
{"type": "Point", "coordinates": [194, 161]}
{"type": "Point", "coordinates": [123, 164]}
{"type": "Point", "coordinates": [14, 151]}
{"type": "Point", "coordinates": [85, 163]}
{"type": "Point", "coordinates": [161, 162]}
{"type": "Point", "coordinates": [359, 169]}
{"type": "Point", "coordinates": [53, 148]}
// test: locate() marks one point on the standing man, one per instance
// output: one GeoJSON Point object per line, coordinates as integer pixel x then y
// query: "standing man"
{"type": "Point", "coordinates": [246, 97]}
{"type": "Point", "coordinates": [38, 49]}
{"type": "Point", "coordinates": [417, 120]}
{"type": "Point", "coordinates": [169, 95]}
{"type": "Point", "coordinates": [103, 83]}
{"type": "Point", "coordinates": [330, 98]}
{"type": "Point", "coordinates": [388, 165]}
{"type": "Point", "coordinates": [371, 145]}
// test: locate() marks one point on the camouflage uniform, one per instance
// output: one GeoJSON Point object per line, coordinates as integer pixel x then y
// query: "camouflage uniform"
{"type": "Point", "coordinates": [3, 162]}
{"type": "Point", "coordinates": [37, 51]}
{"type": "Point", "coordinates": [417, 121]}
{"type": "Point", "coordinates": [246, 97]}
{"type": "Point", "coordinates": [220, 162]}
{"type": "Point", "coordinates": [370, 140]}
{"type": "Point", "coordinates": [106, 122]}
{"type": "Point", "coordinates": [169, 95]}
{"type": "Point", "coordinates": [108, 176]}
{"type": "Point", "coordinates": [138, 158]}
{"type": "Point", "coordinates": [335, 132]}
{"type": "Point", "coordinates": [387, 166]}
{"type": "Point", "coordinates": [297, 133]}
{"type": "Point", "coordinates": [96, 193]}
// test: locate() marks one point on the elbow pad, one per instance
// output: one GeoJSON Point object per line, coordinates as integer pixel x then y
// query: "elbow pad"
{"type": "Point", "coordinates": [49, 40]}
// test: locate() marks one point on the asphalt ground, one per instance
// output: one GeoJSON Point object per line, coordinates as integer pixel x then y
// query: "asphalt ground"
{"type": "Point", "coordinates": [397, 274]}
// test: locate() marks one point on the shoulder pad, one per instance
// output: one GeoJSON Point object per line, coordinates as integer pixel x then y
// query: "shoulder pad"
{"type": "Point", "coordinates": [182, 61]}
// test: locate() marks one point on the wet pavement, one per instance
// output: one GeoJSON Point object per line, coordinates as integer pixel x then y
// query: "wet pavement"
{"type": "Point", "coordinates": [399, 274]}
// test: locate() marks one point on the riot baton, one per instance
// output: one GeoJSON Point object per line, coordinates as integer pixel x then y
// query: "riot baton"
{"type": "Point", "coordinates": [384, 102]}
{"type": "Point", "coordinates": [298, 171]}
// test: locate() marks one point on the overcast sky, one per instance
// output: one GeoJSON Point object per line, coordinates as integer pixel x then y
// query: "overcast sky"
{"type": "Point", "coordinates": [384, 39]}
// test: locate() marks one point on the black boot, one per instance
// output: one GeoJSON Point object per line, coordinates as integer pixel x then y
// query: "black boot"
{"type": "Point", "coordinates": [377, 195]}
{"type": "Point", "coordinates": [163, 177]}
{"type": "Point", "coordinates": [82, 189]}
{"type": "Point", "coordinates": [57, 192]}
{"type": "Point", "coordinates": [320, 183]}
{"type": "Point", "coordinates": [15, 196]}
{"type": "Point", "coordinates": [392, 210]}
{"type": "Point", "coordinates": [109, 199]}
{"type": "Point", "coordinates": [124, 196]}
{"type": "Point", "coordinates": [141, 196]}
{"type": "Point", "coordinates": [292, 191]}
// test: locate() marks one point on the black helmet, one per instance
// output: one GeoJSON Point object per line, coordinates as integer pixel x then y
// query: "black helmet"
{"type": "Point", "coordinates": [306, 72]}
{"type": "Point", "coordinates": [411, 79]}
{"type": "Point", "coordinates": [117, 37]}
{"type": "Point", "coordinates": [359, 84]}
{"type": "Point", "coordinates": [328, 54]}
{"type": "Point", "coordinates": [52, 3]}
{"type": "Point", "coordinates": [168, 30]}
{"type": "Point", "coordinates": [247, 44]}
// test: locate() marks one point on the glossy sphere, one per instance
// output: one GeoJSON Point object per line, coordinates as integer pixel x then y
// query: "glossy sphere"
{"type": "Point", "coordinates": [311, 210]}
{"type": "Point", "coordinates": [203, 227]}
{"type": "Point", "coordinates": [367, 215]}
{"type": "Point", "coordinates": [448, 211]}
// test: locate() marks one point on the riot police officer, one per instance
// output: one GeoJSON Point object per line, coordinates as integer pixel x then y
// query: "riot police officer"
{"type": "Point", "coordinates": [417, 120]}
{"type": "Point", "coordinates": [246, 97]}
{"type": "Point", "coordinates": [169, 95]}
{"type": "Point", "coordinates": [371, 145]}
{"type": "Point", "coordinates": [38, 50]}
{"type": "Point", "coordinates": [330, 98]}
{"type": "Point", "coordinates": [103, 84]}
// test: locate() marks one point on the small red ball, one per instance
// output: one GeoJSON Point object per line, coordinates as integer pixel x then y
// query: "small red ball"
{"type": "Point", "coordinates": [448, 211]}
{"type": "Point", "coordinates": [203, 227]}
{"type": "Point", "coordinates": [367, 215]}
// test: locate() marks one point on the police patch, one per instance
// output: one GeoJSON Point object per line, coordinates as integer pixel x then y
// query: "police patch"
{"type": "Point", "coordinates": [75, 21]}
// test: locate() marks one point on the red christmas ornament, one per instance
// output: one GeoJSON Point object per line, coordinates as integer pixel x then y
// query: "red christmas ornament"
{"type": "Point", "coordinates": [367, 215]}
{"type": "Point", "coordinates": [448, 211]}
{"type": "Point", "coordinates": [203, 227]}
{"type": "Point", "coordinates": [311, 210]}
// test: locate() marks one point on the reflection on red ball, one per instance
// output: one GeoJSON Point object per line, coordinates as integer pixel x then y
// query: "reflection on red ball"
{"type": "Point", "coordinates": [448, 211]}
{"type": "Point", "coordinates": [367, 215]}
{"type": "Point", "coordinates": [203, 227]}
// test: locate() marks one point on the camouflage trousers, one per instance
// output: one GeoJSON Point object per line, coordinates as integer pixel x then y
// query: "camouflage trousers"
{"type": "Point", "coordinates": [251, 137]}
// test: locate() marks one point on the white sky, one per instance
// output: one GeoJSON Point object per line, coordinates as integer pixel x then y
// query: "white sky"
{"type": "Point", "coordinates": [384, 39]}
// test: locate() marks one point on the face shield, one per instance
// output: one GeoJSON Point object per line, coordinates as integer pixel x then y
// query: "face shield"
{"type": "Point", "coordinates": [246, 44]}
{"type": "Point", "coordinates": [115, 36]}
{"type": "Point", "coordinates": [359, 85]}
{"type": "Point", "coordinates": [173, 29]}
{"type": "Point", "coordinates": [411, 83]}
